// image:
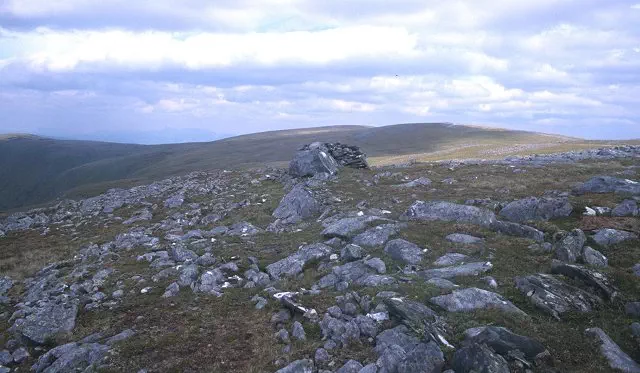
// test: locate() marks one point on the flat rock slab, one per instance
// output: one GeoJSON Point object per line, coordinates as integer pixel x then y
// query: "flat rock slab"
{"type": "Point", "coordinates": [423, 181]}
{"type": "Point", "coordinates": [348, 227]}
{"type": "Point", "coordinates": [464, 239]}
{"type": "Point", "coordinates": [366, 272]}
{"type": "Point", "coordinates": [450, 259]}
{"type": "Point", "coordinates": [478, 358]}
{"type": "Point", "coordinates": [472, 299]}
{"type": "Point", "coordinates": [554, 296]}
{"type": "Point", "coordinates": [533, 208]}
{"type": "Point", "coordinates": [618, 359]}
{"type": "Point", "coordinates": [468, 269]}
{"type": "Point", "coordinates": [609, 237]}
{"type": "Point", "coordinates": [448, 211]}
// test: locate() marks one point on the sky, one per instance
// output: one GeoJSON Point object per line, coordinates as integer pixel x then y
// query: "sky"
{"type": "Point", "coordinates": [187, 70]}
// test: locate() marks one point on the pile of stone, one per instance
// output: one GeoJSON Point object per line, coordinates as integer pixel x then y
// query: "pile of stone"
{"type": "Point", "coordinates": [319, 157]}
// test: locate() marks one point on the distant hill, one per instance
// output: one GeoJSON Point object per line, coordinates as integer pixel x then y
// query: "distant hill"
{"type": "Point", "coordinates": [34, 169]}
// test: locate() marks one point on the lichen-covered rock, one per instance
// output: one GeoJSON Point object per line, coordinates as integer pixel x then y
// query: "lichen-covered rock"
{"type": "Point", "coordinates": [312, 161]}
{"type": "Point", "coordinates": [46, 322]}
{"type": "Point", "coordinates": [298, 366]}
{"type": "Point", "coordinates": [464, 239]}
{"type": "Point", "coordinates": [569, 247]}
{"type": "Point", "coordinates": [70, 357]}
{"type": "Point", "coordinates": [628, 207]}
{"type": "Point", "coordinates": [608, 184]}
{"type": "Point", "coordinates": [377, 236]}
{"type": "Point", "coordinates": [478, 358]}
{"type": "Point", "coordinates": [594, 257]}
{"type": "Point", "coordinates": [504, 342]}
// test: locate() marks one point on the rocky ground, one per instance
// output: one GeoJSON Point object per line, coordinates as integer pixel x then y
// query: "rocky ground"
{"type": "Point", "coordinates": [529, 264]}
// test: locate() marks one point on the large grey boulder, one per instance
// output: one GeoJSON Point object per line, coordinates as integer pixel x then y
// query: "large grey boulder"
{"type": "Point", "coordinates": [569, 247]}
{"type": "Point", "coordinates": [618, 359]}
{"type": "Point", "coordinates": [47, 322]}
{"type": "Point", "coordinates": [398, 336]}
{"type": "Point", "coordinates": [608, 184]}
{"type": "Point", "coordinates": [294, 264]}
{"type": "Point", "coordinates": [404, 251]}
{"type": "Point", "coordinates": [533, 208]}
{"type": "Point", "coordinates": [298, 205]}
{"type": "Point", "coordinates": [555, 297]}
{"type": "Point", "coordinates": [377, 236]}
{"type": "Point", "coordinates": [341, 332]}
{"type": "Point", "coordinates": [468, 269]}
{"type": "Point", "coordinates": [609, 237]}
{"type": "Point", "coordinates": [448, 211]}
{"type": "Point", "coordinates": [312, 162]}
{"type": "Point", "coordinates": [478, 358]}
{"type": "Point", "coordinates": [413, 314]}
{"type": "Point", "coordinates": [504, 342]}
{"type": "Point", "coordinates": [70, 357]}
{"type": "Point", "coordinates": [298, 366]}
{"type": "Point", "coordinates": [472, 299]}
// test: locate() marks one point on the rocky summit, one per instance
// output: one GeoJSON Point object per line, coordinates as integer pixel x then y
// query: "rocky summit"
{"type": "Point", "coordinates": [525, 264]}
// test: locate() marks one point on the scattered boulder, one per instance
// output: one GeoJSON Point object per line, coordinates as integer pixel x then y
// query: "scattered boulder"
{"type": "Point", "coordinates": [628, 207]}
{"type": "Point", "coordinates": [569, 247]}
{"type": "Point", "coordinates": [423, 181]}
{"type": "Point", "coordinates": [618, 359]}
{"type": "Point", "coordinates": [404, 251]}
{"type": "Point", "coordinates": [351, 252]}
{"type": "Point", "coordinates": [424, 358]}
{"type": "Point", "coordinates": [294, 264]}
{"type": "Point", "coordinates": [517, 230]}
{"type": "Point", "coordinates": [47, 322]}
{"type": "Point", "coordinates": [478, 358]}
{"type": "Point", "coordinates": [504, 342]}
{"type": "Point", "coordinates": [594, 257]}
{"type": "Point", "coordinates": [464, 239]}
{"type": "Point", "coordinates": [351, 366]}
{"type": "Point", "coordinates": [298, 366]}
{"type": "Point", "coordinates": [468, 269]}
{"type": "Point", "coordinates": [70, 357]}
{"type": "Point", "coordinates": [533, 208]}
{"type": "Point", "coordinates": [347, 228]}
{"type": "Point", "coordinates": [377, 236]}
{"type": "Point", "coordinates": [471, 299]}
{"type": "Point", "coordinates": [243, 229]}
{"type": "Point", "coordinates": [366, 272]}
{"type": "Point", "coordinates": [298, 205]}
{"type": "Point", "coordinates": [555, 297]}
{"type": "Point", "coordinates": [450, 259]}
{"type": "Point", "coordinates": [609, 237]}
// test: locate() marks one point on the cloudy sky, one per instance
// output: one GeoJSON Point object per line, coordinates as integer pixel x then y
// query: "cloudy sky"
{"type": "Point", "coordinates": [177, 70]}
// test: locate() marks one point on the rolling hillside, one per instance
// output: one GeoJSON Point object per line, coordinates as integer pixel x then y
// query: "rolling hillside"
{"type": "Point", "coordinates": [35, 170]}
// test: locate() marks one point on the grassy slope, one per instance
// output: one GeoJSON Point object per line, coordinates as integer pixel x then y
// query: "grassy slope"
{"type": "Point", "coordinates": [34, 170]}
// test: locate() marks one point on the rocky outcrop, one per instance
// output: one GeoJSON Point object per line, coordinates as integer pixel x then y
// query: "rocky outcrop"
{"type": "Point", "coordinates": [311, 161]}
{"type": "Point", "coordinates": [404, 251]}
{"type": "Point", "coordinates": [294, 264]}
{"type": "Point", "coordinates": [448, 211]}
{"type": "Point", "coordinates": [468, 269]}
{"type": "Point", "coordinates": [568, 248]}
{"type": "Point", "coordinates": [609, 237]}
